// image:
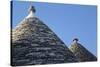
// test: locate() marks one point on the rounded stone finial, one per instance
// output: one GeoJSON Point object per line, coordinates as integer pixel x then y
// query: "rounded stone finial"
{"type": "Point", "coordinates": [31, 11]}
{"type": "Point", "coordinates": [32, 8]}
{"type": "Point", "coordinates": [75, 39]}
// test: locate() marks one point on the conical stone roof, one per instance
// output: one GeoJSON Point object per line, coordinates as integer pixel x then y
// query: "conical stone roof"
{"type": "Point", "coordinates": [34, 43]}
{"type": "Point", "coordinates": [81, 52]}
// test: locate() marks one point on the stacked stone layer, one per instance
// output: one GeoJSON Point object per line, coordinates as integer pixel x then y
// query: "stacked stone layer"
{"type": "Point", "coordinates": [34, 43]}
{"type": "Point", "coordinates": [82, 53]}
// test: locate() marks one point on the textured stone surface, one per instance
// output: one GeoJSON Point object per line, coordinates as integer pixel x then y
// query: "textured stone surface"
{"type": "Point", "coordinates": [34, 43]}
{"type": "Point", "coordinates": [82, 53]}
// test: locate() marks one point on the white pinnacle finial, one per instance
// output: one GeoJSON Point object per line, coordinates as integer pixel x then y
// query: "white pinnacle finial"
{"type": "Point", "coordinates": [75, 40]}
{"type": "Point", "coordinates": [31, 11]}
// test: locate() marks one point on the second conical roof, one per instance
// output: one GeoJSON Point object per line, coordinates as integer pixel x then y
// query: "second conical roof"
{"type": "Point", "coordinates": [81, 52]}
